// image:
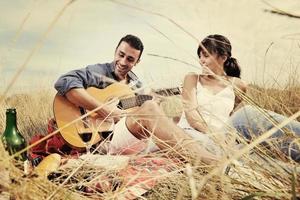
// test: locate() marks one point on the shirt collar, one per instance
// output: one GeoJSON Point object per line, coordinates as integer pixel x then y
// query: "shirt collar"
{"type": "Point", "coordinates": [130, 74]}
{"type": "Point", "coordinates": [112, 66]}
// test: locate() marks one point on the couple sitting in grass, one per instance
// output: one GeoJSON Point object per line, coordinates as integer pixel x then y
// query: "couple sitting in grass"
{"type": "Point", "coordinates": [211, 105]}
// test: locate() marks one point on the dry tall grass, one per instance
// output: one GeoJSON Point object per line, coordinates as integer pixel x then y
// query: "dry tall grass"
{"type": "Point", "coordinates": [285, 101]}
{"type": "Point", "coordinates": [256, 175]}
{"type": "Point", "coordinates": [33, 110]}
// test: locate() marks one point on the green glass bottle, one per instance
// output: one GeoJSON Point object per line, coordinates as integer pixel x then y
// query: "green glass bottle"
{"type": "Point", "coordinates": [12, 139]}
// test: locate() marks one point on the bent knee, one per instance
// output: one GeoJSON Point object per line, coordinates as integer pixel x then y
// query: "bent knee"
{"type": "Point", "coordinates": [248, 109]}
{"type": "Point", "coordinates": [245, 114]}
{"type": "Point", "coordinates": [150, 107]}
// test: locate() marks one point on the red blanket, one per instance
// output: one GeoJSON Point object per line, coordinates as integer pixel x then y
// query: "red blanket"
{"type": "Point", "coordinates": [55, 144]}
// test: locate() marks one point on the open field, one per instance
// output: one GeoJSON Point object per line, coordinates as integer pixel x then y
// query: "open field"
{"type": "Point", "coordinates": [40, 40]}
{"type": "Point", "coordinates": [258, 175]}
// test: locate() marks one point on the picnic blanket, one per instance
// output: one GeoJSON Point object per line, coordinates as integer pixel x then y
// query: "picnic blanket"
{"type": "Point", "coordinates": [122, 177]}
{"type": "Point", "coordinates": [136, 176]}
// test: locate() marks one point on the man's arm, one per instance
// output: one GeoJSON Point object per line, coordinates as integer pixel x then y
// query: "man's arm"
{"type": "Point", "coordinates": [82, 98]}
{"type": "Point", "coordinates": [72, 85]}
{"type": "Point", "coordinates": [91, 76]}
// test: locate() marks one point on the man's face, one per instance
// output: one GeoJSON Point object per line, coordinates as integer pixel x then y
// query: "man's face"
{"type": "Point", "coordinates": [125, 58]}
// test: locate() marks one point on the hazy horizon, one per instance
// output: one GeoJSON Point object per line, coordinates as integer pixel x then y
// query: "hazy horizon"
{"type": "Point", "coordinates": [265, 44]}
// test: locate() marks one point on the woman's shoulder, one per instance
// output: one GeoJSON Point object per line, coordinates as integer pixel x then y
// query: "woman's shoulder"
{"type": "Point", "coordinates": [239, 83]}
{"type": "Point", "coordinates": [194, 76]}
{"type": "Point", "coordinates": [190, 80]}
{"type": "Point", "coordinates": [191, 77]}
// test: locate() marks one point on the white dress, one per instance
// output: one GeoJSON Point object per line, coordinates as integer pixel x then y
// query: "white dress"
{"type": "Point", "coordinates": [215, 110]}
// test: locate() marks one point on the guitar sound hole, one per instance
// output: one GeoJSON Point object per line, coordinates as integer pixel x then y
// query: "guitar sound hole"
{"type": "Point", "coordinates": [86, 136]}
{"type": "Point", "coordinates": [106, 134]}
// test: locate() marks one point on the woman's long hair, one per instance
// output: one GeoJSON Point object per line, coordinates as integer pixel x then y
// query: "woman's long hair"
{"type": "Point", "coordinates": [221, 46]}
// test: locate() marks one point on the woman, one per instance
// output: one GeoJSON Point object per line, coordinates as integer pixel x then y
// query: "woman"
{"type": "Point", "coordinates": [211, 97]}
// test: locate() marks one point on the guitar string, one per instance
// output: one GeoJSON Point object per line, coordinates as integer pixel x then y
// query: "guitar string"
{"type": "Point", "coordinates": [137, 101]}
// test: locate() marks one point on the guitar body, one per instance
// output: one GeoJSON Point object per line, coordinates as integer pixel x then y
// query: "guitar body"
{"type": "Point", "coordinates": [66, 113]}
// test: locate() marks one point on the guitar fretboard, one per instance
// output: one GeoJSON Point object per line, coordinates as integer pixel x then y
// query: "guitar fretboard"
{"type": "Point", "coordinates": [133, 101]}
{"type": "Point", "coordinates": [168, 91]}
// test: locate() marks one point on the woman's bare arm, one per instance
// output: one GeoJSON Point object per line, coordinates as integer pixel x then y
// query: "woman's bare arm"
{"type": "Point", "coordinates": [189, 96]}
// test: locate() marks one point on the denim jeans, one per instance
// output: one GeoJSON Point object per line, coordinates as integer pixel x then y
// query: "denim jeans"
{"type": "Point", "coordinates": [249, 122]}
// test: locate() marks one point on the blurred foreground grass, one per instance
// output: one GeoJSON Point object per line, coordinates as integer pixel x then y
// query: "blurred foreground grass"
{"type": "Point", "coordinates": [255, 176]}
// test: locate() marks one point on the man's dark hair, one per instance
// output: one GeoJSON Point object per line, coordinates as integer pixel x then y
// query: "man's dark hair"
{"type": "Point", "coordinates": [134, 42]}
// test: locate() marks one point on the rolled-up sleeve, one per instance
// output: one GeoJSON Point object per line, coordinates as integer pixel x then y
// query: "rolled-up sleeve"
{"type": "Point", "coordinates": [82, 78]}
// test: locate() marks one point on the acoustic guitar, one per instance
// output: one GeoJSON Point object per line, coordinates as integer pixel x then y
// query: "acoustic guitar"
{"type": "Point", "coordinates": [91, 126]}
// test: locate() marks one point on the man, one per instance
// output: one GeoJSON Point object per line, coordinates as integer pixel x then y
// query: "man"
{"type": "Point", "coordinates": [144, 121]}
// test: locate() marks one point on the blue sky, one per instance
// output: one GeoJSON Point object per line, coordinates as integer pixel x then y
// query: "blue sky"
{"type": "Point", "coordinates": [88, 32]}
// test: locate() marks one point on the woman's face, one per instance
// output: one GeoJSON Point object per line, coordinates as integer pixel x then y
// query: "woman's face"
{"type": "Point", "coordinates": [213, 62]}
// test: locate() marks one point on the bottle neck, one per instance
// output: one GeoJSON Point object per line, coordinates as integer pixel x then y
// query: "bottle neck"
{"type": "Point", "coordinates": [11, 121]}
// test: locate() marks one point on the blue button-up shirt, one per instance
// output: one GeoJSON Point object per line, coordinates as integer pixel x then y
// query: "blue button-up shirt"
{"type": "Point", "coordinates": [98, 75]}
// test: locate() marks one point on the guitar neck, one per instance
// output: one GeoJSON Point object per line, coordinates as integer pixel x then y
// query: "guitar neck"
{"type": "Point", "coordinates": [140, 99]}
{"type": "Point", "coordinates": [168, 91]}
{"type": "Point", "coordinates": [133, 101]}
